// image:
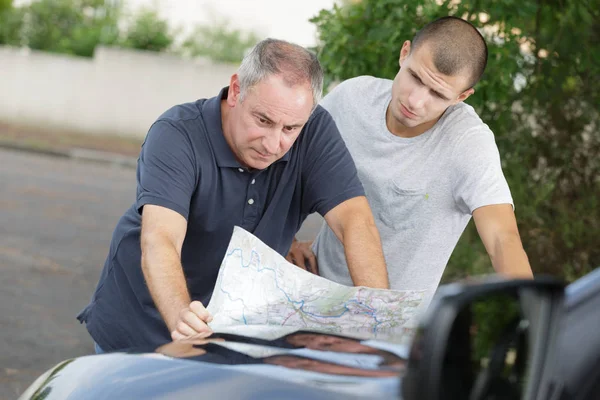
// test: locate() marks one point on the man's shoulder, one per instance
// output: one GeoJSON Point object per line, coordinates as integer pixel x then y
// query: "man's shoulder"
{"type": "Point", "coordinates": [361, 83]}
{"type": "Point", "coordinates": [356, 95]}
{"type": "Point", "coordinates": [320, 120]}
{"type": "Point", "coordinates": [183, 112]}
{"type": "Point", "coordinates": [461, 121]}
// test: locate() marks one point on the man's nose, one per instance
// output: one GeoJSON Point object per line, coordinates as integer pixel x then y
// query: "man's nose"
{"type": "Point", "coordinates": [271, 142]}
{"type": "Point", "coordinates": [417, 98]}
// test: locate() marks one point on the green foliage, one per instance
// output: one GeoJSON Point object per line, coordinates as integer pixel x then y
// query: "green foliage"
{"type": "Point", "coordinates": [148, 32]}
{"type": "Point", "coordinates": [62, 26]}
{"type": "Point", "coordinates": [77, 26]}
{"type": "Point", "coordinates": [5, 5]}
{"type": "Point", "coordinates": [219, 42]}
{"type": "Point", "coordinates": [540, 96]}
{"type": "Point", "coordinates": [11, 21]}
{"type": "Point", "coordinates": [492, 317]}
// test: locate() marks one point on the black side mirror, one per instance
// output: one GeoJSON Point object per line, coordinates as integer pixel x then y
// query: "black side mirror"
{"type": "Point", "coordinates": [484, 341]}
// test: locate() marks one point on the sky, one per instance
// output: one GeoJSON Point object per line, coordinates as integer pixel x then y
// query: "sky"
{"type": "Point", "coordinates": [281, 19]}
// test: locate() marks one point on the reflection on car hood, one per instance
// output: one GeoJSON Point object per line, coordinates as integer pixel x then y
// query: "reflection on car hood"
{"type": "Point", "coordinates": [265, 364]}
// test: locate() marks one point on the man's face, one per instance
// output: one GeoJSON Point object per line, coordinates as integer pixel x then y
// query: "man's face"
{"type": "Point", "coordinates": [263, 126]}
{"type": "Point", "coordinates": [325, 342]}
{"type": "Point", "coordinates": [420, 93]}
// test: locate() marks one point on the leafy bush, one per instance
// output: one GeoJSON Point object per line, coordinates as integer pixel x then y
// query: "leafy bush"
{"type": "Point", "coordinates": [78, 26]}
{"type": "Point", "coordinates": [219, 42]}
{"type": "Point", "coordinates": [148, 32]}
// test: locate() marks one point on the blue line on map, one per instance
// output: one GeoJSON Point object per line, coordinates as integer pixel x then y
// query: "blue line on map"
{"type": "Point", "coordinates": [300, 303]}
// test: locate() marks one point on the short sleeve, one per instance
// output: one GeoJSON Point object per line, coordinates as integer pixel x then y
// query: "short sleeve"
{"type": "Point", "coordinates": [478, 179]}
{"type": "Point", "coordinates": [166, 172]}
{"type": "Point", "coordinates": [329, 174]}
{"type": "Point", "coordinates": [330, 100]}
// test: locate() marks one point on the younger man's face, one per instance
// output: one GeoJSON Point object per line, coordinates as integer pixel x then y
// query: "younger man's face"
{"type": "Point", "coordinates": [421, 94]}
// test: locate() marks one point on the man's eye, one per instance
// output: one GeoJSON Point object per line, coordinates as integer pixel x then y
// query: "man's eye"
{"type": "Point", "coordinates": [289, 129]}
{"type": "Point", "coordinates": [262, 120]}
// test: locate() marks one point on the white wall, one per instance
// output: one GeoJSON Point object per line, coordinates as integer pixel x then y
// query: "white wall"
{"type": "Point", "coordinates": [118, 92]}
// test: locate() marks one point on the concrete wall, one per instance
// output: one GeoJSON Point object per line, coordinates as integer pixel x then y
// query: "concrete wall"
{"type": "Point", "coordinates": [118, 92]}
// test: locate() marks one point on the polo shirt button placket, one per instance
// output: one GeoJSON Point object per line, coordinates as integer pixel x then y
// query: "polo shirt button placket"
{"type": "Point", "coordinates": [252, 206]}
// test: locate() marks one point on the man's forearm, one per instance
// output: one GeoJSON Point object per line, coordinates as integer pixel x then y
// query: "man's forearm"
{"type": "Point", "coordinates": [364, 256]}
{"type": "Point", "coordinates": [510, 259]}
{"type": "Point", "coordinates": [165, 279]}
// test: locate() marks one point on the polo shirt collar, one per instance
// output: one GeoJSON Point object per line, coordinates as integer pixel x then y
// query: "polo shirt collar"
{"type": "Point", "coordinates": [212, 117]}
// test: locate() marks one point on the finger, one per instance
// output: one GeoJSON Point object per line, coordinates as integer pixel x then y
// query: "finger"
{"type": "Point", "coordinates": [300, 261]}
{"type": "Point", "coordinates": [185, 329]}
{"type": "Point", "coordinates": [292, 257]}
{"type": "Point", "coordinates": [311, 262]}
{"type": "Point", "coordinates": [199, 309]}
{"type": "Point", "coordinates": [194, 322]}
{"type": "Point", "coordinates": [175, 335]}
{"type": "Point", "coordinates": [203, 335]}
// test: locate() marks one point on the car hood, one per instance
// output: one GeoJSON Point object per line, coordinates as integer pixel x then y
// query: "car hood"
{"type": "Point", "coordinates": [230, 366]}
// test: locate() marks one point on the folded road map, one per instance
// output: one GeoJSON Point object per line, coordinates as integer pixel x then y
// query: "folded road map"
{"type": "Point", "coordinates": [256, 286]}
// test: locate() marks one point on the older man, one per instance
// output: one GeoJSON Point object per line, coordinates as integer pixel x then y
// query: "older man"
{"type": "Point", "coordinates": [261, 155]}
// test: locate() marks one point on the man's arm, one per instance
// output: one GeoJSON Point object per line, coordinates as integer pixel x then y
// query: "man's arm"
{"type": "Point", "coordinates": [353, 224]}
{"type": "Point", "coordinates": [497, 227]}
{"type": "Point", "coordinates": [163, 232]}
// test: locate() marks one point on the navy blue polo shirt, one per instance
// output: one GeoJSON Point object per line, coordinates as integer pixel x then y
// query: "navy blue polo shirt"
{"type": "Point", "coordinates": [186, 165]}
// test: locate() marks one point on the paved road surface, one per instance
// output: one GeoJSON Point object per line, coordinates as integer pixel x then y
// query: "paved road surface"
{"type": "Point", "coordinates": [56, 219]}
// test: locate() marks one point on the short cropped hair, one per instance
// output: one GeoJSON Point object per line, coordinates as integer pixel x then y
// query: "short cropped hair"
{"type": "Point", "coordinates": [456, 45]}
{"type": "Point", "coordinates": [293, 62]}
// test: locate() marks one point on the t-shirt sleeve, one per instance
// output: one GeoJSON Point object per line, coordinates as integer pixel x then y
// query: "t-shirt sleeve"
{"type": "Point", "coordinates": [478, 179]}
{"type": "Point", "coordinates": [331, 101]}
{"type": "Point", "coordinates": [329, 174]}
{"type": "Point", "coordinates": [166, 172]}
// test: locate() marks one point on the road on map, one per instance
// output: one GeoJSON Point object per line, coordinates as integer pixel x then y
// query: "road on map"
{"type": "Point", "coordinates": [56, 219]}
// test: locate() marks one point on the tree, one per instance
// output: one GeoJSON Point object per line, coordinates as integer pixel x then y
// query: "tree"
{"type": "Point", "coordinates": [78, 26]}
{"type": "Point", "coordinates": [219, 42]}
{"type": "Point", "coordinates": [148, 32]}
{"type": "Point", "coordinates": [10, 22]}
{"type": "Point", "coordinates": [63, 26]}
{"type": "Point", "coordinates": [540, 96]}
{"type": "Point", "coordinates": [5, 5]}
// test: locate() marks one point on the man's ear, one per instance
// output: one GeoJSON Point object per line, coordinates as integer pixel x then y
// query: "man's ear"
{"type": "Point", "coordinates": [404, 52]}
{"type": "Point", "coordinates": [233, 94]}
{"type": "Point", "coordinates": [465, 95]}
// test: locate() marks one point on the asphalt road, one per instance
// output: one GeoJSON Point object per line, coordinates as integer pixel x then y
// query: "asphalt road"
{"type": "Point", "coordinates": [56, 219]}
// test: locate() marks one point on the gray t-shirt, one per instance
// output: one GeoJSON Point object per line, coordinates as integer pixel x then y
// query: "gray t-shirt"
{"type": "Point", "coordinates": [422, 190]}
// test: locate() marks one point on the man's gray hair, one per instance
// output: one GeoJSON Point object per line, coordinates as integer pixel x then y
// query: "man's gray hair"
{"type": "Point", "coordinates": [294, 63]}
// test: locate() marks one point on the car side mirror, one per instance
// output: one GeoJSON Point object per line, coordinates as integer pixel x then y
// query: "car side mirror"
{"type": "Point", "coordinates": [485, 340]}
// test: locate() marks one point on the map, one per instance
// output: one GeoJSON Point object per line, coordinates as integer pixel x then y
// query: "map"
{"type": "Point", "coordinates": [256, 286]}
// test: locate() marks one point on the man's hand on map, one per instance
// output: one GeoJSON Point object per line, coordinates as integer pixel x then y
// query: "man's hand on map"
{"type": "Point", "coordinates": [193, 321]}
{"type": "Point", "coordinates": [301, 254]}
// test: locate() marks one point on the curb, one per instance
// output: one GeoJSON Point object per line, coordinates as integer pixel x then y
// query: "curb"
{"type": "Point", "coordinates": [103, 157]}
{"type": "Point", "coordinates": [98, 156]}
{"type": "Point", "coordinates": [33, 149]}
